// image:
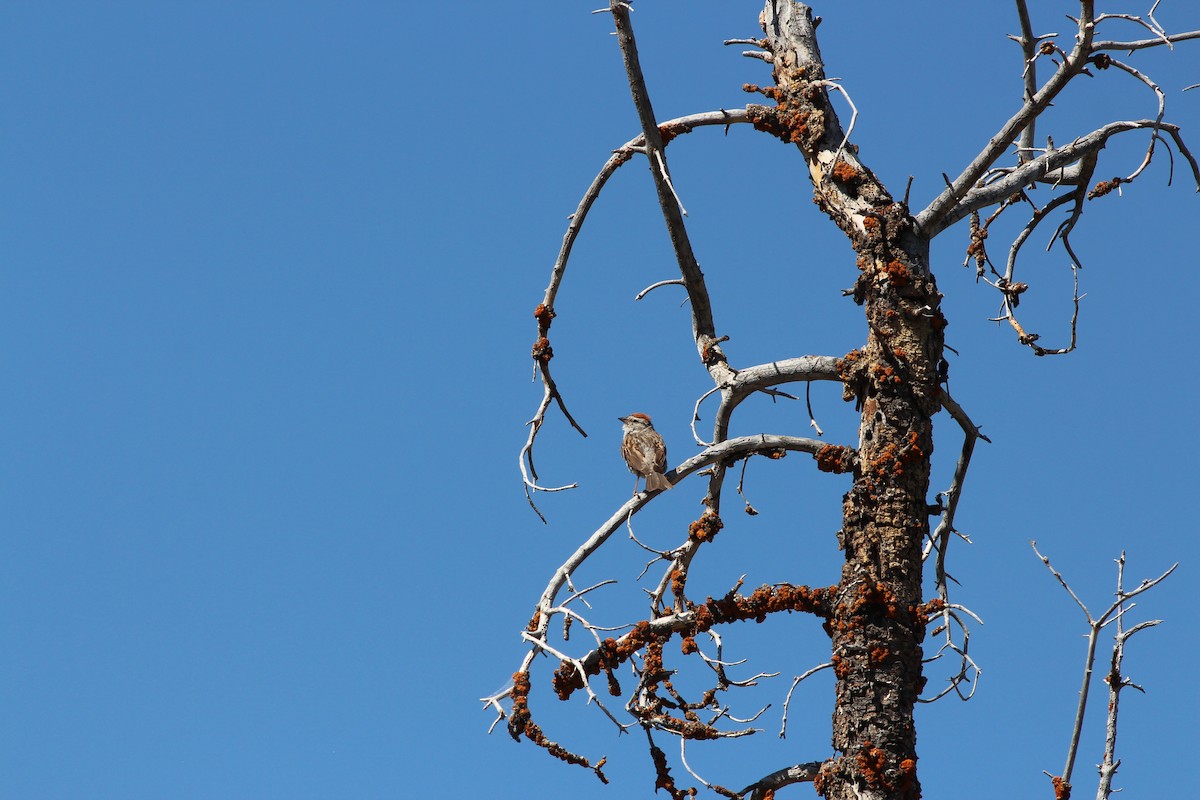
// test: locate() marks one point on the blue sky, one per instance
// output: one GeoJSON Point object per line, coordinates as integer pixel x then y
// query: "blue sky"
{"type": "Point", "coordinates": [269, 273]}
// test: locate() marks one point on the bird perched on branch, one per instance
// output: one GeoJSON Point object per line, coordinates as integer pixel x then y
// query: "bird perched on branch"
{"type": "Point", "coordinates": [644, 452]}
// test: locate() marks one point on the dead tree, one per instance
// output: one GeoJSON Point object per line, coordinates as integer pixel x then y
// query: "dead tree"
{"type": "Point", "coordinates": [877, 615]}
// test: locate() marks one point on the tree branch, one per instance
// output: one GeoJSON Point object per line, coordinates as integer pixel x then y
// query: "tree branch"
{"type": "Point", "coordinates": [703, 327]}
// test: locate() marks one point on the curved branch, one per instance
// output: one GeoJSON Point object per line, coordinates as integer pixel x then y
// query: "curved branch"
{"type": "Point", "coordinates": [746, 382]}
{"type": "Point", "coordinates": [668, 130]}
{"type": "Point", "coordinates": [797, 773]}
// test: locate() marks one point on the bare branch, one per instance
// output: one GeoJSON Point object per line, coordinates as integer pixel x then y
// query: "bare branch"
{"type": "Point", "coordinates": [1042, 168]}
{"type": "Point", "coordinates": [1142, 44]}
{"type": "Point", "coordinates": [703, 327]}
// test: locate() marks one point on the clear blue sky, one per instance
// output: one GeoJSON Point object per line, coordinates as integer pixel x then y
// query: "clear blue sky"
{"type": "Point", "coordinates": [268, 278]}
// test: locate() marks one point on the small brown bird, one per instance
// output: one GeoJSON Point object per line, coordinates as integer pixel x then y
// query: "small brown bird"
{"type": "Point", "coordinates": [644, 452]}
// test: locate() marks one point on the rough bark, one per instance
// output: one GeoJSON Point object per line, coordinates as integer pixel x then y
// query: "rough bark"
{"type": "Point", "coordinates": [878, 619]}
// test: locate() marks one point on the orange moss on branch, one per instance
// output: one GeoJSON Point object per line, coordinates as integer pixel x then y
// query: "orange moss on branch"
{"type": "Point", "coordinates": [542, 351]}
{"type": "Point", "coordinates": [705, 529]}
{"type": "Point", "coordinates": [520, 722]}
{"type": "Point", "coordinates": [835, 458]}
{"type": "Point", "coordinates": [761, 603]}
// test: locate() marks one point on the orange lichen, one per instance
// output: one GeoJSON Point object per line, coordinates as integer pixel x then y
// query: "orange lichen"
{"type": "Point", "coordinates": [834, 458]}
{"type": "Point", "coordinates": [678, 582]}
{"type": "Point", "coordinates": [520, 723]}
{"type": "Point", "coordinates": [705, 528]}
{"type": "Point", "coordinates": [1104, 187]}
{"type": "Point", "coordinates": [871, 763]}
{"type": "Point", "coordinates": [844, 172]}
{"type": "Point", "coordinates": [897, 273]}
{"type": "Point", "coordinates": [542, 351]}
{"type": "Point", "coordinates": [1062, 789]}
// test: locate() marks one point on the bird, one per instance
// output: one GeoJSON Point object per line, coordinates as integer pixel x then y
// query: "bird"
{"type": "Point", "coordinates": [644, 452]}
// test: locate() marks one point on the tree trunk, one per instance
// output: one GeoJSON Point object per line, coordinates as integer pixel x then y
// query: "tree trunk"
{"type": "Point", "coordinates": [878, 621]}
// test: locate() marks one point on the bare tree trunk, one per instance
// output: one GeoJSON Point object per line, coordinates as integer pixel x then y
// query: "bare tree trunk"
{"type": "Point", "coordinates": [878, 622]}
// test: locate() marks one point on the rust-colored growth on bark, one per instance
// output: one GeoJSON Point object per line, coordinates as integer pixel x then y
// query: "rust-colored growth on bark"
{"type": "Point", "coordinates": [1062, 789]}
{"type": "Point", "coordinates": [770, 92]}
{"type": "Point", "coordinates": [678, 582]}
{"type": "Point", "coordinates": [1104, 187]}
{"type": "Point", "coordinates": [877, 596]}
{"type": "Point", "coordinates": [885, 375]}
{"type": "Point", "coordinates": [544, 316]}
{"type": "Point", "coordinates": [534, 621]}
{"type": "Point", "coordinates": [520, 704]}
{"type": "Point", "coordinates": [835, 458]}
{"type": "Point", "coordinates": [763, 601]}
{"type": "Point", "coordinates": [823, 776]}
{"type": "Point", "coordinates": [871, 763]}
{"type": "Point", "coordinates": [614, 688]}
{"type": "Point", "coordinates": [688, 645]}
{"type": "Point", "coordinates": [871, 223]}
{"type": "Point", "coordinates": [841, 667]}
{"type": "Point", "coordinates": [663, 779]}
{"type": "Point", "coordinates": [652, 664]}
{"type": "Point", "coordinates": [845, 173]}
{"type": "Point", "coordinates": [897, 273]}
{"type": "Point", "coordinates": [542, 351]}
{"type": "Point", "coordinates": [879, 655]}
{"type": "Point", "coordinates": [923, 612]}
{"type": "Point", "coordinates": [566, 680]}
{"type": "Point", "coordinates": [706, 528]}
{"type": "Point", "coordinates": [520, 723]}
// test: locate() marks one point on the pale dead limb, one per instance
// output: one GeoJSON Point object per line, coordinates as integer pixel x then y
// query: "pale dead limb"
{"type": "Point", "coordinates": [833, 84]}
{"type": "Point", "coordinates": [968, 671]}
{"type": "Point", "coordinates": [812, 419]}
{"type": "Point", "coordinates": [1116, 682]}
{"type": "Point", "coordinates": [653, 286]}
{"type": "Point", "coordinates": [1115, 611]}
{"type": "Point", "coordinates": [939, 541]}
{"type": "Point", "coordinates": [788, 700]}
{"type": "Point", "coordinates": [703, 328]}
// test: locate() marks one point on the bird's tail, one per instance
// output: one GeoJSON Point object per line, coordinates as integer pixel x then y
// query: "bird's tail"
{"type": "Point", "coordinates": [656, 481]}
